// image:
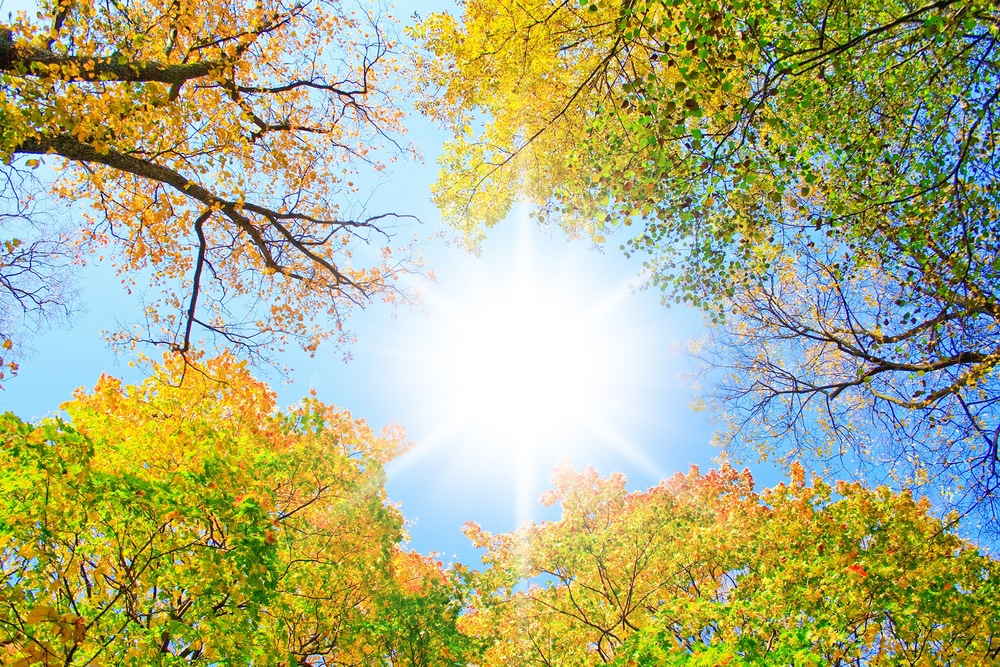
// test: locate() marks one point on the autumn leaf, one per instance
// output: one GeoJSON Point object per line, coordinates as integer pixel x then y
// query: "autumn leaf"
{"type": "Point", "coordinates": [245, 533]}
{"type": "Point", "coordinates": [214, 145]}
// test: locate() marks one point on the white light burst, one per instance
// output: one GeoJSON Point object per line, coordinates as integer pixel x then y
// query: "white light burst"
{"type": "Point", "coordinates": [528, 358]}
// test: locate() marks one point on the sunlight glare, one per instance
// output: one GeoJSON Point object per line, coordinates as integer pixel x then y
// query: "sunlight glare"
{"type": "Point", "coordinates": [528, 358]}
{"type": "Point", "coordinates": [527, 364]}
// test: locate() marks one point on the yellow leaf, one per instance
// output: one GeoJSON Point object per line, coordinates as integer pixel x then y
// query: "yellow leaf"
{"type": "Point", "coordinates": [39, 614]}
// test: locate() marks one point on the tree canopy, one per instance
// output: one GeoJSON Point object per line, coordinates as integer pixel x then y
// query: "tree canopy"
{"type": "Point", "coordinates": [820, 178]}
{"type": "Point", "coordinates": [186, 520]}
{"type": "Point", "coordinates": [703, 570]}
{"type": "Point", "coordinates": [216, 146]}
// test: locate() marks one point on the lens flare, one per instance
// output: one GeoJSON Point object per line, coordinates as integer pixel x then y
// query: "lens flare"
{"type": "Point", "coordinates": [527, 364]}
{"type": "Point", "coordinates": [527, 361]}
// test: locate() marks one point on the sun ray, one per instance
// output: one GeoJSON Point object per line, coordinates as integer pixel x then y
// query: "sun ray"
{"type": "Point", "coordinates": [528, 358]}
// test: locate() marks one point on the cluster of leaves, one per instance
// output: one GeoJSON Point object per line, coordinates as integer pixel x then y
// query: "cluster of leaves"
{"type": "Point", "coordinates": [186, 520]}
{"type": "Point", "coordinates": [216, 145]}
{"type": "Point", "coordinates": [819, 177]}
{"type": "Point", "coordinates": [178, 522]}
{"type": "Point", "coordinates": [702, 570]}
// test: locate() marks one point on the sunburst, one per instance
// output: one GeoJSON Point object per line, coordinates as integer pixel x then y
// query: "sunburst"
{"type": "Point", "coordinates": [522, 362]}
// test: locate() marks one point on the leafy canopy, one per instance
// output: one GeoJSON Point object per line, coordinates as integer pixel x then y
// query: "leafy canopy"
{"type": "Point", "coordinates": [216, 146]}
{"type": "Point", "coordinates": [187, 520]}
{"type": "Point", "coordinates": [703, 570]}
{"type": "Point", "coordinates": [820, 178]}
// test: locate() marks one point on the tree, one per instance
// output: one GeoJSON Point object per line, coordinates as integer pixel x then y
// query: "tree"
{"type": "Point", "coordinates": [421, 628]}
{"type": "Point", "coordinates": [703, 570]}
{"type": "Point", "coordinates": [35, 285]}
{"type": "Point", "coordinates": [187, 521]}
{"type": "Point", "coordinates": [216, 145]}
{"type": "Point", "coordinates": [820, 178]}
{"type": "Point", "coordinates": [817, 363]}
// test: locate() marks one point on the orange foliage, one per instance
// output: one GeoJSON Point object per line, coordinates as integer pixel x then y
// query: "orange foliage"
{"type": "Point", "coordinates": [216, 144]}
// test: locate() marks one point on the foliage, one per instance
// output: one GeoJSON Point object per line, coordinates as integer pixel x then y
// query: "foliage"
{"type": "Point", "coordinates": [702, 570]}
{"type": "Point", "coordinates": [421, 628]}
{"type": "Point", "coordinates": [186, 520]}
{"type": "Point", "coordinates": [818, 365]}
{"type": "Point", "coordinates": [820, 177]}
{"type": "Point", "coordinates": [217, 145]}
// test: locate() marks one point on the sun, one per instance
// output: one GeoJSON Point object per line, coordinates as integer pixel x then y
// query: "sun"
{"type": "Point", "coordinates": [525, 364]}
{"type": "Point", "coordinates": [526, 358]}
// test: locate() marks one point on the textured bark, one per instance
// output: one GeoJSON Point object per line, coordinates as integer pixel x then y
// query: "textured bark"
{"type": "Point", "coordinates": [36, 61]}
{"type": "Point", "coordinates": [7, 52]}
{"type": "Point", "coordinates": [73, 149]}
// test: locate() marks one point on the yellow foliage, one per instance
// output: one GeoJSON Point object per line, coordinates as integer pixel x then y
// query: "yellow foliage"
{"type": "Point", "coordinates": [211, 140]}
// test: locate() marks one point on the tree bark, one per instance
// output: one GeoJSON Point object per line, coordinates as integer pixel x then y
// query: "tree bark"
{"type": "Point", "coordinates": [7, 52]}
{"type": "Point", "coordinates": [36, 61]}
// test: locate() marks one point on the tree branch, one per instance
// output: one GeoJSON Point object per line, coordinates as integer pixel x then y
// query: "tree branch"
{"type": "Point", "coordinates": [196, 280]}
{"type": "Point", "coordinates": [40, 62]}
{"type": "Point", "coordinates": [73, 149]}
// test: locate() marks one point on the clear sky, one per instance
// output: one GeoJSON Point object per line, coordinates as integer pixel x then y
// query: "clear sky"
{"type": "Point", "coordinates": [535, 351]}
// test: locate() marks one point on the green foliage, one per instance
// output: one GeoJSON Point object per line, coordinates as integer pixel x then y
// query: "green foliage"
{"type": "Point", "coordinates": [703, 570]}
{"type": "Point", "coordinates": [189, 521]}
{"type": "Point", "coordinates": [186, 520]}
{"type": "Point", "coordinates": [819, 178]}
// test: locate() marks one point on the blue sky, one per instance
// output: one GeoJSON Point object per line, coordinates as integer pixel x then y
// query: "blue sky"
{"type": "Point", "coordinates": [638, 421]}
